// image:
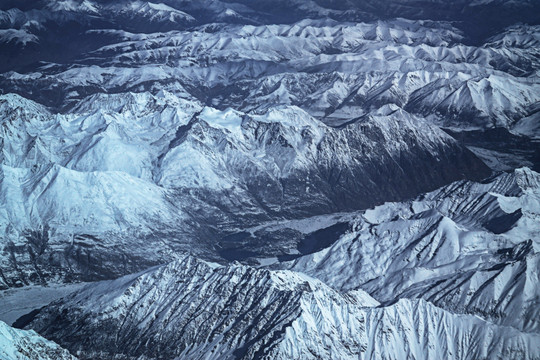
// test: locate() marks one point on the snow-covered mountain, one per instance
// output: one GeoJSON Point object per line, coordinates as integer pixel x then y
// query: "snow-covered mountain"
{"type": "Point", "coordinates": [454, 271]}
{"type": "Point", "coordinates": [373, 165]}
{"type": "Point", "coordinates": [81, 188]}
{"type": "Point", "coordinates": [333, 69]}
{"type": "Point", "coordinates": [345, 69]}
{"type": "Point", "coordinates": [192, 310]}
{"type": "Point", "coordinates": [468, 248]}
{"type": "Point", "coordinates": [18, 344]}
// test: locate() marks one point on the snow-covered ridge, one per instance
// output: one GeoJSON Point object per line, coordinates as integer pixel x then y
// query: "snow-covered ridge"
{"type": "Point", "coordinates": [333, 70]}
{"type": "Point", "coordinates": [468, 247]}
{"type": "Point", "coordinates": [87, 11]}
{"type": "Point", "coordinates": [291, 135]}
{"type": "Point", "coordinates": [135, 165]}
{"type": "Point", "coordinates": [194, 310]}
{"type": "Point", "coordinates": [22, 36]}
{"type": "Point", "coordinates": [152, 11]}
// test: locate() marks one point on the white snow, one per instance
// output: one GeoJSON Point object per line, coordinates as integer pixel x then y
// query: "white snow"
{"type": "Point", "coordinates": [18, 344]}
{"type": "Point", "coordinates": [423, 248]}
{"type": "Point", "coordinates": [298, 317]}
{"type": "Point", "coordinates": [228, 119]}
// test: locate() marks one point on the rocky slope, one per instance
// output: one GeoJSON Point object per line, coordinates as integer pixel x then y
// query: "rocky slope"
{"type": "Point", "coordinates": [18, 344]}
{"type": "Point", "coordinates": [454, 271]}
{"type": "Point", "coordinates": [294, 136]}
{"type": "Point", "coordinates": [468, 248]}
{"type": "Point", "coordinates": [163, 172]}
{"type": "Point", "coordinates": [463, 71]}
{"type": "Point", "coordinates": [194, 310]}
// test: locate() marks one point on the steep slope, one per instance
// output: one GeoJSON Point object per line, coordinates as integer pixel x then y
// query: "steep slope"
{"type": "Point", "coordinates": [165, 173]}
{"type": "Point", "coordinates": [134, 132]}
{"type": "Point", "coordinates": [18, 344]}
{"type": "Point", "coordinates": [335, 71]}
{"type": "Point", "coordinates": [335, 61]}
{"type": "Point", "coordinates": [194, 310]}
{"type": "Point", "coordinates": [422, 66]}
{"type": "Point", "coordinates": [469, 248]}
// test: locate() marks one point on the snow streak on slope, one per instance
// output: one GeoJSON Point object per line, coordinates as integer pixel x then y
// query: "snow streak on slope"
{"type": "Point", "coordinates": [193, 310]}
{"type": "Point", "coordinates": [469, 248]}
{"type": "Point", "coordinates": [18, 344]}
{"type": "Point", "coordinates": [81, 189]}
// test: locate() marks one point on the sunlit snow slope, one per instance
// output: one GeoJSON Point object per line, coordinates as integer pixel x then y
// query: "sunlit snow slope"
{"type": "Point", "coordinates": [123, 181]}
{"type": "Point", "coordinates": [468, 247]}
{"type": "Point", "coordinates": [196, 310]}
{"type": "Point", "coordinates": [18, 344]}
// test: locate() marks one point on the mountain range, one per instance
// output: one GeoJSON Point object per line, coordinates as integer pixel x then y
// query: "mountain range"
{"type": "Point", "coordinates": [307, 179]}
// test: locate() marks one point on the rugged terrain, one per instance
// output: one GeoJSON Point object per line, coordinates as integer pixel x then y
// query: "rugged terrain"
{"type": "Point", "coordinates": [453, 271]}
{"type": "Point", "coordinates": [81, 189]}
{"type": "Point", "coordinates": [193, 310]}
{"type": "Point", "coordinates": [279, 179]}
{"type": "Point", "coordinates": [468, 248]}
{"type": "Point", "coordinates": [18, 344]}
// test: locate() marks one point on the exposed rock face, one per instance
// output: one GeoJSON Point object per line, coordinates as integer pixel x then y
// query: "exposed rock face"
{"type": "Point", "coordinates": [174, 124]}
{"type": "Point", "coordinates": [194, 310]}
{"type": "Point", "coordinates": [468, 248]}
{"type": "Point", "coordinates": [373, 165]}
{"type": "Point", "coordinates": [124, 181]}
